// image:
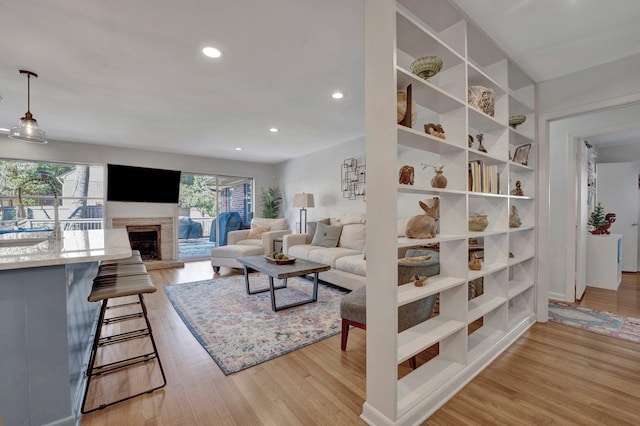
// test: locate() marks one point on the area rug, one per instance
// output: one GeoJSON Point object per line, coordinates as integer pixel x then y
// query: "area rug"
{"type": "Point", "coordinates": [601, 322]}
{"type": "Point", "coordinates": [240, 330]}
{"type": "Point", "coordinates": [195, 249]}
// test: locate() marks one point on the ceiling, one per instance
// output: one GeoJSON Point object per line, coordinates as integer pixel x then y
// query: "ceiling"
{"type": "Point", "coordinates": [130, 73]}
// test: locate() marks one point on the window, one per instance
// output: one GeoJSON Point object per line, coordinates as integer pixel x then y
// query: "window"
{"type": "Point", "coordinates": [28, 191]}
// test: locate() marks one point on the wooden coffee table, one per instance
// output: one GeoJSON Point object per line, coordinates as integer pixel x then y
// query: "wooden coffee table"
{"type": "Point", "coordinates": [282, 272]}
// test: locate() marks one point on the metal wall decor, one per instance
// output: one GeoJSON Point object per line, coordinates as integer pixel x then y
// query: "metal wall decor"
{"type": "Point", "coordinates": [353, 179]}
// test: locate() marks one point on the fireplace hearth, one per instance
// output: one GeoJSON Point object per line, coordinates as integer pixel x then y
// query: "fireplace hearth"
{"type": "Point", "coordinates": [146, 239]}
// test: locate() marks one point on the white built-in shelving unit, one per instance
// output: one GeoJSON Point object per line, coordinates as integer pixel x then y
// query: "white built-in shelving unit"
{"type": "Point", "coordinates": [469, 332]}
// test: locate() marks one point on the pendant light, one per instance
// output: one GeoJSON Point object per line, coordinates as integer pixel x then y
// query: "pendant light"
{"type": "Point", "coordinates": [27, 130]}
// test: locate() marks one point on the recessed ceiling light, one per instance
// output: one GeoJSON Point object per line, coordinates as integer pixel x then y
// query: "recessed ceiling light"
{"type": "Point", "coordinates": [2, 129]}
{"type": "Point", "coordinates": [274, 130]}
{"type": "Point", "coordinates": [337, 95]}
{"type": "Point", "coordinates": [211, 52]}
{"type": "Point", "coordinates": [238, 149]}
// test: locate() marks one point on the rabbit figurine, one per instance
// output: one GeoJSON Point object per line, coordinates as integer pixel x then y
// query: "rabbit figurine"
{"type": "Point", "coordinates": [424, 225]}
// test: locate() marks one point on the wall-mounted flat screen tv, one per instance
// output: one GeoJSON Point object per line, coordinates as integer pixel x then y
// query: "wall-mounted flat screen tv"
{"type": "Point", "coordinates": [142, 185]}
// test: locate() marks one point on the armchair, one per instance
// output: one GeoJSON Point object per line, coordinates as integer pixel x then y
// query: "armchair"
{"type": "Point", "coordinates": [263, 232]}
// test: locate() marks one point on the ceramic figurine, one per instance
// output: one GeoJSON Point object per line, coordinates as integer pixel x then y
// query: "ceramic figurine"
{"type": "Point", "coordinates": [419, 280]}
{"type": "Point", "coordinates": [406, 175]}
{"type": "Point", "coordinates": [474, 263]}
{"type": "Point", "coordinates": [514, 218]}
{"type": "Point", "coordinates": [424, 225]}
{"type": "Point", "coordinates": [481, 147]}
{"type": "Point", "coordinates": [434, 130]}
{"type": "Point", "coordinates": [470, 141]}
{"type": "Point", "coordinates": [517, 190]}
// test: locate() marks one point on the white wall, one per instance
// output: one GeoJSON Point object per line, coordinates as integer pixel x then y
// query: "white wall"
{"type": "Point", "coordinates": [581, 104]}
{"type": "Point", "coordinates": [319, 173]}
{"type": "Point", "coordinates": [621, 154]}
{"type": "Point", "coordinates": [57, 151]}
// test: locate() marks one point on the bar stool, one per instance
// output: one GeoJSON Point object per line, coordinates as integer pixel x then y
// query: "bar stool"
{"type": "Point", "coordinates": [134, 258]}
{"type": "Point", "coordinates": [110, 285]}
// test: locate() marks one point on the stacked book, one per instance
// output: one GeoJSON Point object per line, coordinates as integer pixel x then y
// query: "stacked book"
{"type": "Point", "coordinates": [483, 178]}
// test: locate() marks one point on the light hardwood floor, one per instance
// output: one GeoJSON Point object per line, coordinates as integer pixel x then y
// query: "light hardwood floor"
{"type": "Point", "coordinates": [554, 374]}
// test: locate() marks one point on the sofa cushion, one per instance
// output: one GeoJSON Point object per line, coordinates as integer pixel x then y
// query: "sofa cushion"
{"type": "Point", "coordinates": [326, 235]}
{"type": "Point", "coordinates": [354, 264]}
{"type": "Point", "coordinates": [275, 224]}
{"type": "Point", "coordinates": [250, 242]}
{"type": "Point", "coordinates": [353, 236]}
{"type": "Point", "coordinates": [347, 219]}
{"type": "Point", "coordinates": [328, 256]}
{"type": "Point", "coordinates": [301, 251]}
{"type": "Point", "coordinates": [311, 227]}
{"type": "Point", "coordinates": [256, 231]}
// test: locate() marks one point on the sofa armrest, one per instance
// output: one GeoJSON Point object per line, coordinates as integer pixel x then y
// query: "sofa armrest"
{"type": "Point", "coordinates": [269, 237]}
{"type": "Point", "coordinates": [293, 240]}
{"type": "Point", "coordinates": [234, 236]}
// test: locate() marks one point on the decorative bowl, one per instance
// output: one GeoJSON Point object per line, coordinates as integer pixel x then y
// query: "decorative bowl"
{"type": "Point", "coordinates": [289, 260]}
{"type": "Point", "coordinates": [482, 98]}
{"type": "Point", "coordinates": [402, 108]}
{"type": "Point", "coordinates": [426, 67]}
{"type": "Point", "coordinates": [478, 222]}
{"type": "Point", "coordinates": [516, 120]}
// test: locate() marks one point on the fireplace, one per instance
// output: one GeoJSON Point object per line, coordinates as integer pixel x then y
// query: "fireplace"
{"type": "Point", "coordinates": [163, 231]}
{"type": "Point", "coordinates": [146, 239]}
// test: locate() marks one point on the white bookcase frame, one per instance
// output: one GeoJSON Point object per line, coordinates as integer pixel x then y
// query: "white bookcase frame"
{"type": "Point", "coordinates": [396, 33]}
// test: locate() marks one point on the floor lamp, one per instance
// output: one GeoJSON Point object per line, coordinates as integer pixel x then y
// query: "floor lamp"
{"type": "Point", "coordinates": [303, 200]}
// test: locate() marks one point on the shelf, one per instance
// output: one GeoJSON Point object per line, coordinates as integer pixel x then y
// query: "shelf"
{"type": "Point", "coordinates": [421, 382]}
{"type": "Point", "coordinates": [520, 167]}
{"type": "Point", "coordinates": [522, 228]}
{"type": "Point", "coordinates": [487, 269]}
{"type": "Point", "coordinates": [517, 314]}
{"type": "Point", "coordinates": [411, 242]}
{"type": "Point", "coordinates": [473, 234]}
{"type": "Point", "coordinates": [482, 305]}
{"type": "Point", "coordinates": [520, 197]}
{"type": "Point", "coordinates": [412, 189]}
{"type": "Point", "coordinates": [427, 94]}
{"type": "Point", "coordinates": [489, 159]}
{"type": "Point", "coordinates": [477, 77]}
{"type": "Point", "coordinates": [517, 287]}
{"type": "Point", "coordinates": [418, 41]}
{"type": "Point", "coordinates": [420, 140]}
{"type": "Point", "coordinates": [422, 336]}
{"type": "Point", "coordinates": [481, 341]}
{"type": "Point", "coordinates": [483, 122]}
{"type": "Point", "coordinates": [408, 293]}
{"type": "Point", "coordinates": [486, 194]}
{"type": "Point", "coordinates": [518, 138]}
{"type": "Point", "coordinates": [518, 107]}
{"type": "Point", "coordinates": [521, 258]}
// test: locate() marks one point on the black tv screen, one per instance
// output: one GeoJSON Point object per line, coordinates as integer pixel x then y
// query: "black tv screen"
{"type": "Point", "coordinates": [142, 185]}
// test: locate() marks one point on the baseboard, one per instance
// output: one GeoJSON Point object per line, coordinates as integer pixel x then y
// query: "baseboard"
{"type": "Point", "coordinates": [561, 297]}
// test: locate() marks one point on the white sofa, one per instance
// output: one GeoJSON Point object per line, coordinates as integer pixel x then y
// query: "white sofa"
{"type": "Point", "coordinates": [347, 261]}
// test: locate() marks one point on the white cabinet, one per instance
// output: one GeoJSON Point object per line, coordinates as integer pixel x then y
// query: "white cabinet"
{"type": "Point", "coordinates": [466, 334]}
{"type": "Point", "coordinates": [604, 261]}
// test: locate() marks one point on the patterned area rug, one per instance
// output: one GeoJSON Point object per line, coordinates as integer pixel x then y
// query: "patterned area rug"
{"type": "Point", "coordinates": [601, 322]}
{"type": "Point", "coordinates": [195, 249]}
{"type": "Point", "coordinates": [240, 330]}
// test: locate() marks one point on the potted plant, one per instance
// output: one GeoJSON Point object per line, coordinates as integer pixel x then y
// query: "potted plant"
{"type": "Point", "coordinates": [271, 199]}
{"type": "Point", "coordinates": [600, 222]}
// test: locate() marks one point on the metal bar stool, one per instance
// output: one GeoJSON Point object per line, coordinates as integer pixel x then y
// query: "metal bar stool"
{"type": "Point", "coordinates": [110, 286]}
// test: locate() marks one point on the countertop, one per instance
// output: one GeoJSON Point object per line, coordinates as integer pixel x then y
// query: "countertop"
{"type": "Point", "coordinates": [24, 250]}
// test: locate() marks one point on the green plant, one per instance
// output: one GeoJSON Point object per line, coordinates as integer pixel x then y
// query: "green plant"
{"type": "Point", "coordinates": [271, 199]}
{"type": "Point", "coordinates": [596, 219]}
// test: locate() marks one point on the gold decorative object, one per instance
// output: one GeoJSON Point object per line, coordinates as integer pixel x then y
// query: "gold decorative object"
{"type": "Point", "coordinates": [474, 263]}
{"type": "Point", "coordinates": [516, 120]}
{"type": "Point", "coordinates": [406, 175]}
{"type": "Point", "coordinates": [517, 190]}
{"type": "Point", "coordinates": [434, 130]}
{"type": "Point", "coordinates": [439, 180]}
{"type": "Point", "coordinates": [426, 67]}
{"type": "Point", "coordinates": [514, 218]}
{"type": "Point", "coordinates": [478, 222]}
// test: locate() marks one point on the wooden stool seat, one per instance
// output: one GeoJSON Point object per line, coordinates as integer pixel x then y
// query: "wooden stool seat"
{"type": "Point", "coordinates": [122, 270]}
{"type": "Point", "coordinates": [134, 258]}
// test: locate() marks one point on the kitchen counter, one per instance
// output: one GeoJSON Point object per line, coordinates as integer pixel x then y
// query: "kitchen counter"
{"type": "Point", "coordinates": [33, 249]}
{"type": "Point", "coordinates": [47, 321]}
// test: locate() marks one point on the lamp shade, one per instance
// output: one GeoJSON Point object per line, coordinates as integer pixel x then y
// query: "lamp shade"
{"type": "Point", "coordinates": [303, 200]}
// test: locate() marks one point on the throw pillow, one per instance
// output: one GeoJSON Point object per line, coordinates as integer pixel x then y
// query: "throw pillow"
{"type": "Point", "coordinates": [311, 228]}
{"type": "Point", "coordinates": [326, 235]}
{"type": "Point", "coordinates": [256, 232]}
